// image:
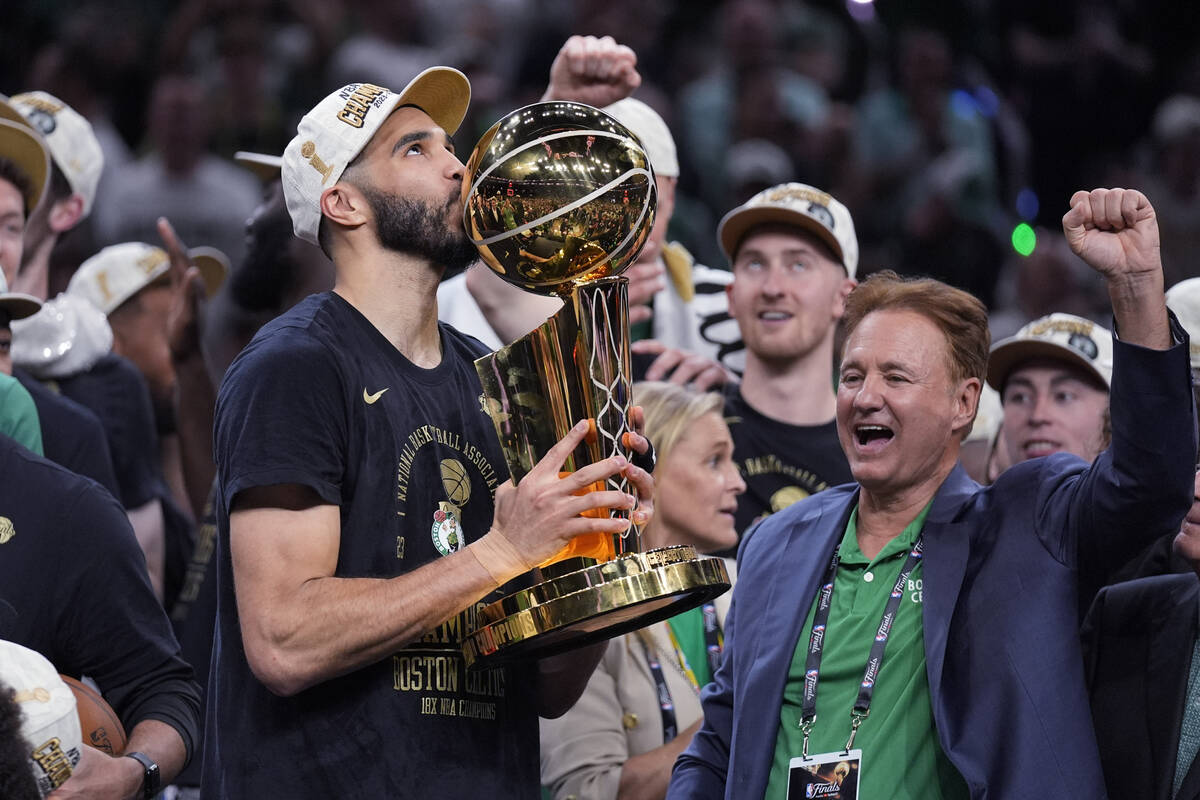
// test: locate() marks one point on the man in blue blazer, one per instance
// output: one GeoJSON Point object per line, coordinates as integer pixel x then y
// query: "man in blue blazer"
{"type": "Point", "coordinates": [958, 672]}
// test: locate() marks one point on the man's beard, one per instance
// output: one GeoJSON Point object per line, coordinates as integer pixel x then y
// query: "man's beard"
{"type": "Point", "coordinates": [410, 226]}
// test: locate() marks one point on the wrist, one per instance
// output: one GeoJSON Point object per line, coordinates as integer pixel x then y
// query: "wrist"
{"type": "Point", "coordinates": [144, 774]}
{"type": "Point", "coordinates": [499, 557]}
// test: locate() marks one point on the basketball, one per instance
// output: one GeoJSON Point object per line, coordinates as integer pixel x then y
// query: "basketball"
{"type": "Point", "coordinates": [456, 482]}
{"type": "Point", "coordinates": [557, 195]}
{"type": "Point", "coordinates": [98, 722]}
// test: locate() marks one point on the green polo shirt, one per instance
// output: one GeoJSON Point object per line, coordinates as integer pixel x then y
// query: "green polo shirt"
{"type": "Point", "coordinates": [902, 759]}
{"type": "Point", "coordinates": [18, 414]}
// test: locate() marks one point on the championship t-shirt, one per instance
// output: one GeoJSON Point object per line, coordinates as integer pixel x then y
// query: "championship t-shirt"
{"type": "Point", "coordinates": [780, 463]}
{"type": "Point", "coordinates": [322, 399]}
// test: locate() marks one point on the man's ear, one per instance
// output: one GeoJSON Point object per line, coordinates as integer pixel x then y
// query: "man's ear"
{"type": "Point", "coordinates": [66, 214]}
{"type": "Point", "coordinates": [843, 292]}
{"type": "Point", "coordinates": [967, 400]}
{"type": "Point", "coordinates": [344, 204]}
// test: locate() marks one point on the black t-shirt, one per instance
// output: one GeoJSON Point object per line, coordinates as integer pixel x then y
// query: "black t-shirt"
{"type": "Point", "coordinates": [320, 398]}
{"type": "Point", "coordinates": [73, 586]}
{"type": "Point", "coordinates": [780, 463]}
{"type": "Point", "coordinates": [115, 391]}
{"type": "Point", "coordinates": [72, 436]}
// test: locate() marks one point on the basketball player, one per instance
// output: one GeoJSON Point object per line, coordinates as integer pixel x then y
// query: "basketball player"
{"type": "Point", "coordinates": [356, 473]}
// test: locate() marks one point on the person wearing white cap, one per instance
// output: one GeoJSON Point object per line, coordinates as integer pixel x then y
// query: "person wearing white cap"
{"type": "Point", "coordinates": [355, 478]}
{"type": "Point", "coordinates": [76, 162]}
{"type": "Point", "coordinates": [794, 256]}
{"type": "Point", "coordinates": [1054, 376]}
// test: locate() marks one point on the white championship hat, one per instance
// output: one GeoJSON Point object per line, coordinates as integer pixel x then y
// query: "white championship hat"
{"type": "Point", "coordinates": [119, 271]}
{"type": "Point", "coordinates": [802, 206]}
{"type": "Point", "coordinates": [648, 126]}
{"type": "Point", "coordinates": [330, 136]}
{"type": "Point", "coordinates": [69, 138]}
{"type": "Point", "coordinates": [1059, 337]}
{"type": "Point", "coordinates": [50, 721]}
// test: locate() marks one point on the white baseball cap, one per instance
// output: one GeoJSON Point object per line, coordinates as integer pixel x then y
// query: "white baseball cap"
{"type": "Point", "coordinates": [26, 149]}
{"type": "Point", "coordinates": [648, 126]}
{"type": "Point", "coordinates": [50, 721]}
{"type": "Point", "coordinates": [69, 138]}
{"type": "Point", "coordinates": [1060, 337]}
{"type": "Point", "coordinates": [802, 206]}
{"type": "Point", "coordinates": [17, 305]}
{"type": "Point", "coordinates": [265, 167]}
{"type": "Point", "coordinates": [330, 136]}
{"type": "Point", "coordinates": [119, 271]}
{"type": "Point", "coordinates": [1184, 299]}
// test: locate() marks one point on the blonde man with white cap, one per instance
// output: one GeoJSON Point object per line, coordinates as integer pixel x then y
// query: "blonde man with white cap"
{"type": "Point", "coordinates": [794, 256]}
{"type": "Point", "coordinates": [355, 494]}
{"type": "Point", "coordinates": [1053, 377]}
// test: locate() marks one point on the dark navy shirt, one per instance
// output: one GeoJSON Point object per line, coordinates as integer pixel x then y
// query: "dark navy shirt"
{"type": "Point", "coordinates": [321, 399]}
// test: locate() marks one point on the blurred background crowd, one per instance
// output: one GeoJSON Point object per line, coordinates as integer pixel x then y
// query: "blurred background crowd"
{"type": "Point", "coordinates": [954, 132]}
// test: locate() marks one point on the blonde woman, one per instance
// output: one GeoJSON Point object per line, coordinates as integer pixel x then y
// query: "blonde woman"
{"type": "Point", "coordinates": [641, 706]}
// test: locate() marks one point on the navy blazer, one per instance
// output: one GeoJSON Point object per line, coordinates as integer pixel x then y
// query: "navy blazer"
{"type": "Point", "coordinates": [1002, 571]}
{"type": "Point", "coordinates": [1137, 648]}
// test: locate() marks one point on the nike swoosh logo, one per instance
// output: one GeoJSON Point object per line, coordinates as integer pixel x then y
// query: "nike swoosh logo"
{"type": "Point", "coordinates": [370, 399]}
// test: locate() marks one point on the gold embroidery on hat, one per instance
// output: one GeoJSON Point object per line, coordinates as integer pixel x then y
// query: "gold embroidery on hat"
{"type": "Point", "coordinates": [6, 530]}
{"type": "Point", "coordinates": [151, 261]}
{"type": "Point", "coordinates": [1081, 327]}
{"type": "Point", "coordinates": [784, 193]}
{"type": "Point", "coordinates": [53, 761]}
{"type": "Point", "coordinates": [354, 113]}
{"type": "Point", "coordinates": [102, 285]}
{"type": "Point", "coordinates": [39, 103]}
{"type": "Point", "coordinates": [308, 150]}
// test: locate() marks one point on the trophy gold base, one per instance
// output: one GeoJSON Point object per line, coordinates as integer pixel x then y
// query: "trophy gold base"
{"type": "Point", "coordinates": [585, 601]}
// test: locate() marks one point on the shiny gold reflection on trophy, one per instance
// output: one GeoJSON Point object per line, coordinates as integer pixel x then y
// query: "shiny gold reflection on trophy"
{"type": "Point", "coordinates": [559, 198]}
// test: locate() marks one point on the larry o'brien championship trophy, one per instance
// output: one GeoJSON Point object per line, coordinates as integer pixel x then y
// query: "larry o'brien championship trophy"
{"type": "Point", "coordinates": [559, 198]}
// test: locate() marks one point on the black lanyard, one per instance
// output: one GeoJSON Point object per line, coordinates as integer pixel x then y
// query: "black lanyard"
{"type": "Point", "coordinates": [665, 703]}
{"type": "Point", "coordinates": [714, 644]}
{"type": "Point", "coordinates": [816, 645]}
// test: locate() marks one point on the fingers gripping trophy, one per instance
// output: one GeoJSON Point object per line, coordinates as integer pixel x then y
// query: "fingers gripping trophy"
{"type": "Point", "coordinates": [559, 198]}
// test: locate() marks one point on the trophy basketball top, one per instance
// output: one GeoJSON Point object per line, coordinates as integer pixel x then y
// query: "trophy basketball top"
{"type": "Point", "coordinates": [557, 195]}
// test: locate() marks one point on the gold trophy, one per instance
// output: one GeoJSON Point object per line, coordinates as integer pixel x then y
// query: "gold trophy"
{"type": "Point", "coordinates": [559, 198]}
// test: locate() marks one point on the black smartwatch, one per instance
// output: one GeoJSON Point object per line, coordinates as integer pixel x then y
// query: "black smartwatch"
{"type": "Point", "coordinates": [151, 780]}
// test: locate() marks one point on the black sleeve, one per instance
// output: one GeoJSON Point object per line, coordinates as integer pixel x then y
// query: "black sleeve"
{"type": "Point", "coordinates": [72, 436]}
{"type": "Point", "coordinates": [281, 418]}
{"type": "Point", "coordinates": [116, 392]}
{"type": "Point", "coordinates": [110, 625]}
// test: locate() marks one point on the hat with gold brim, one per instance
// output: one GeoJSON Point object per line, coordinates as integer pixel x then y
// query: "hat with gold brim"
{"type": "Point", "coordinates": [1055, 337]}
{"type": "Point", "coordinates": [264, 166]}
{"type": "Point", "coordinates": [19, 144]}
{"type": "Point", "coordinates": [213, 265]}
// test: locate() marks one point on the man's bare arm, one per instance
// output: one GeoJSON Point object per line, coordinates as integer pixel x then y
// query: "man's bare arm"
{"type": "Point", "coordinates": [301, 625]}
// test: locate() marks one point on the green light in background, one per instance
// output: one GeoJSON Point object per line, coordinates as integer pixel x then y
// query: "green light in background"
{"type": "Point", "coordinates": [1024, 239]}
